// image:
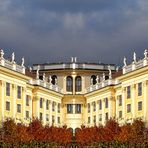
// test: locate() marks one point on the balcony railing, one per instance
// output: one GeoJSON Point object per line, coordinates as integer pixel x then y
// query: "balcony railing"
{"type": "Point", "coordinates": [101, 85]}
{"type": "Point", "coordinates": [46, 85]}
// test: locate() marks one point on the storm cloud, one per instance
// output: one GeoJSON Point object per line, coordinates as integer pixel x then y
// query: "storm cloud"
{"type": "Point", "coordinates": [93, 30]}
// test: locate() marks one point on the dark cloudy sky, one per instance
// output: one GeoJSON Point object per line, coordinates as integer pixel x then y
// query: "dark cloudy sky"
{"type": "Point", "coordinates": [92, 30]}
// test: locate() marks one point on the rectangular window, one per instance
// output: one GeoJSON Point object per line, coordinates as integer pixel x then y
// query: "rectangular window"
{"type": "Point", "coordinates": [88, 107]}
{"type": "Point", "coordinates": [19, 108]}
{"type": "Point", "coordinates": [47, 117]}
{"type": "Point", "coordinates": [7, 106]}
{"type": "Point", "coordinates": [53, 120]}
{"type": "Point", "coordinates": [27, 100]}
{"type": "Point", "coordinates": [120, 114]}
{"type": "Point", "coordinates": [119, 98]}
{"type": "Point", "coordinates": [27, 114]}
{"type": "Point", "coordinates": [106, 116]}
{"type": "Point", "coordinates": [139, 89]}
{"type": "Point", "coordinates": [88, 120]}
{"type": "Point", "coordinates": [139, 105]}
{"type": "Point", "coordinates": [7, 89]}
{"type": "Point", "coordinates": [100, 117]}
{"type": "Point", "coordinates": [128, 92]}
{"type": "Point", "coordinates": [59, 120]}
{"type": "Point", "coordinates": [19, 92]}
{"type": "Point", "coordinates": [41, 116]}
{"type": "Point", "coordinates": [53, 106]}
{"type": "Point", "coordinates": [100, 104]}
{"type": "Point", "coordinates": [41, 102]}
{"type": "Point", "coordinates": [94, 106]}
{"type": "Point", "coordinates": [94, 119]}
{"type": "Point", "coordinates": [128, 108]}
{"type": "Point", "coordinates": [70, 108]}
{"type": "Point", "coordinates": [59, 107]}
{"type": "Point", "coordinates": [78, 108]}
{"type": "Point", "coordinates": [47, 104]}
{"type": "Point", "coordinates": [106, 102]}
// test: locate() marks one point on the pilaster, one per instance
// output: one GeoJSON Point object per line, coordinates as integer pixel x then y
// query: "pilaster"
{"type": "Point", "coordinates": [145, 101]}
{"type": "Point", "coordinates": [50, 113]}
{"type": "Point", "coordinates": [56, 113]}
{"type": "Point", "coordinates": [44, 111]}
{"type": "Point", "coordinates": [91, 113]}
{"type": "Point", "coordinates": [123, 101]}
{"type": "Point", "coordinates": [14, 91]}
{"type": "Point", "coordinates": [103, 111]}
{"type": "Point", "coordinates": [2, 87]}
{"type": "Point", "coordinates": [97, 109]}
{"type": "Point", "coordinates": [133, 97]}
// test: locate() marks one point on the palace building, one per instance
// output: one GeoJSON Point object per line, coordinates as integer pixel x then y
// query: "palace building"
{"type": "Point", "coordinates": [73, 93]}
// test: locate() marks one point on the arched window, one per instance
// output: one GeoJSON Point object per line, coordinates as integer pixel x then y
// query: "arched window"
{"type": "Point", "coordinates": [54, 79]}
{"type": "Point", "coordinates": [69, 84]}
{"type": "Point", "coordinates": [78, 81]}
{"type": "Point", "coordinates": [93, 80]}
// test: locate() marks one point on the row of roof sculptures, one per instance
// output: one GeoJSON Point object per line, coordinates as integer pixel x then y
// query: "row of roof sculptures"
{"type": "Point", "coordinates": [12, 57]}
{"type": "Point", "coordinates": [135, 57]}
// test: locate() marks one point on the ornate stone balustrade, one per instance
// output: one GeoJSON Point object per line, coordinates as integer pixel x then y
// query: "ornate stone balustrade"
{"type": "Point", "coordinates": [102, 85]}
{"type": "Point", "coordinates": [135, 64]}
{"type": "Point", "coordinates": [11, 64]}
{"type": "Point", "coordinates": [46, 85]}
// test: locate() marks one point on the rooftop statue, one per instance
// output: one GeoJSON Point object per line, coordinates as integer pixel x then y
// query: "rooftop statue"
{"type": "Point", "coordinates": [23, 61]}
{"type": "Point", "coordinates": [13, 57]}
{"type": "Point", "coordinates": [2, 53]}
{"type": "Point", "coordinates": [103, 76]}
{"type": "Point", "coordinates": [50, 79]}
{"type": "Point", "coordinates": [145, 53]}
{"type": "Point", "coordinates": [37, 73]}
{"type": "Point", "coordinates": [134, 56]}
{"type": "Point", "coordinates": [110, 72]}
{"type": "Point", "coordinates": [44, 77]}
{"type": "Point", "coordinates": [124, 61]}
{"type": "Point", "coordinates": [97, 79]}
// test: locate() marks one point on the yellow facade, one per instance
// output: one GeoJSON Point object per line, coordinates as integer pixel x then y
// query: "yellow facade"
{"type": "Point", "coordinates": [74, 93]}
